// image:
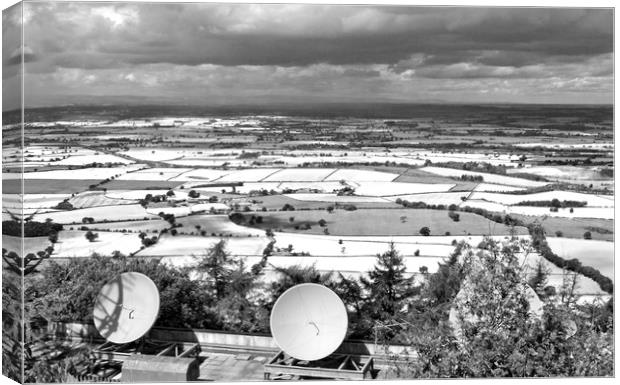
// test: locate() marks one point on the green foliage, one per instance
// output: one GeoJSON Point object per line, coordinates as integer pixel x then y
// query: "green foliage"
{"type": "Point", "coordinates": [67, 291]}
{"type": "Point", "coordinates": [31, 228]}
{"type": "Point", "coordinates": [503, 339]}
{"type": "Point", "coordinates": [387, 286]}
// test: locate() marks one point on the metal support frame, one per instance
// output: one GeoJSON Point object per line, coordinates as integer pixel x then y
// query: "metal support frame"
{"type": "Point", "coordinates": [336, 366]}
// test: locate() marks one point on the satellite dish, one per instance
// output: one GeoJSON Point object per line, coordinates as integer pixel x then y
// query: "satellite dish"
{"type": "Point", "coordinates": [309, 322]}
{"type": "Point", "coordinates": [126, 308]}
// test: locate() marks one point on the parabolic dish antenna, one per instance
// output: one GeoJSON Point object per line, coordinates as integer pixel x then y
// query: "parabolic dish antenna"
{"type": "Point", "coordinates": [309, 322]}
{"type": "Point", "coordinates": [126, 308]}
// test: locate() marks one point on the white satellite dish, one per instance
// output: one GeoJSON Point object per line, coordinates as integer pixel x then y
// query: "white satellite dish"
{"type": "Point", "coordinates": [309, 322]}
{"type": "Point", "coordinates": [126, 308]}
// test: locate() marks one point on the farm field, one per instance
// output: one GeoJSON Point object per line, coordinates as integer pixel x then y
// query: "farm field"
{"type": "Point", "coordinates": [381, 222]}
{"type": "Point", "coordinates": [73, 244]}
{"type": "Point", "coordinates": [284, 167]}
{"type": "Point", "coordinates": [99, 214]}
{"type": "Point", "coordinates": [31, 244]}
{"type": "Point", "coordinates": [492, 178]}
{"type": "Point", "coordinates": [598, 254]}
{"type": "Point", "coordinates": [47, 186]}
{"type": "Point", "coordinates": [187, 245]}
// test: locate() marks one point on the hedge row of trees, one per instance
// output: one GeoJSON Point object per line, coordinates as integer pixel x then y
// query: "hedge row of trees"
{"type": "Point", "coordinates": [539, 242]}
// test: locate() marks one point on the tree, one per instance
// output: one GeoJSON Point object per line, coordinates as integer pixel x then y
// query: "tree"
{"type": "Point", "coordinates": [322, 222]}
{"type": "Point", "coordinates": [425, 231]}
{"type": "Point", "coordinates": [538, 279]}
{"type": "Point", "coordinates": [387, 286]}
{"type": "Point", "coordinates": [53, 237]}
{"type": "Point", "coordinates": [218, 265]}
{"type": "Point", "coordinates": [91, 236]}
{"type": "Point", "coordinates": [193, 194]}
{"type": "Point", "coordinates": [504, 338]}
{"type": "Point", "coordinates": [587, 235]}
{"type": "Point", "coordinates": [330, 209]}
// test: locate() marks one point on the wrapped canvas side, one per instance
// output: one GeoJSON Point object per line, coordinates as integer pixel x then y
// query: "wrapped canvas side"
{"type": "Point", "coordinates": [13, 261]}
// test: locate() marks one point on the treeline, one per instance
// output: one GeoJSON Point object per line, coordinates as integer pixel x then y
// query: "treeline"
{"type": "Point", "coordinates": [486, 168]}
{"type": "Point", "coordinates": [31, 228]}
{"type": "Point", "coordinates": [539, 242]}
{"type": "Point", "coordinates": [553, 203]}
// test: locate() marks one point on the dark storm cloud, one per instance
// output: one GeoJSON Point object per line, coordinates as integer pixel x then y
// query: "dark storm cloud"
{"type": "Point", "coordinates": [191, 34]}
{"type": "Point", "coordinates": [214, 52]}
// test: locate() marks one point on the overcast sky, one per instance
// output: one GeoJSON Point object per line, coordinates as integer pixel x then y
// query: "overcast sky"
{"type": "Point", "coordinates": [238, 53]}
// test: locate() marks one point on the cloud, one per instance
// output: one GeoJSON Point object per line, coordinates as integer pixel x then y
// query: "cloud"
{"type": "Point", "coordinates": [312, 51]}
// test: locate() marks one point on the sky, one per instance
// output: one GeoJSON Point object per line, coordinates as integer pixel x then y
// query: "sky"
{"type": "Point", "coordinates": [226, 54]}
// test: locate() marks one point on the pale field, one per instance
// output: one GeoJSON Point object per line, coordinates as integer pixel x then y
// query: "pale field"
{"type": "Point", "coordinates": [397, 188]}
{"type": "Point", "coordinates": [585, 286]}
{"type": "Point", "coordinates": [580, 146]}
{"type": "Point", "coordinates": [73, 156]}
{"type": "Point", "coordinates": [333, 198]}
{"type": "Point", "coordinates": [578, 212]}
{"type": "Point", "coordinates": [300, 175]}
{"type": "Point", "coordinates": [216, 224]}
{"type": "Point", "coordinates": [82, 173]}
{"type": "Point", "coordinates": [32, 201]}
{"type": "Point", "coordinates": [248, 175]}
{"type": "Point", "coordinates": [31, 244]}
{"type": "Point", "coordinates": [96, 198]}
{"type": "Point", "coordinates": [496, 187]}
{"type": "Point", "coordinates": [327, 245]}
{"type": "Point", "coordinates": [147, 226]}
{"type": "Point", "coordinates": [78, 160]}
{"type": "Point", "coordinates": [157, 153]}
{"type": "Point", "coordinates": [200, 174]}
{"type": "Point", "coordinates": [182, 211]}
{"type": "Point", "coordinates": [492, 178]}
{"type": "Point", "coordinates": [560, 172]}
{"type": "Point", "coordinates": [510, 199]}
{"type": "Point", "coordinates": [443, 198]}
{"type": "Point", "coordinates": [138, 194]}
{"type": "Point", "coordinates": [352, 264]}
{"type": "Point", "coordinates": [215, 162]}
{"type": "Point", "coordinates": [326, 187]}
{"type": "Point", "coordinates": [361, 176]}
{"type": "Point", "coordinates": [99, 214]}
{"type": "Point", "coordinates": [369, 158]}
{"type": "Point", "coordinates": [187, 245]}
{"type": "Point", "coordinates": [598, 254]}
{"type": "Point", "coordinates": [160, 174]}
{"type": "Point", "coordinates": [72, 244]}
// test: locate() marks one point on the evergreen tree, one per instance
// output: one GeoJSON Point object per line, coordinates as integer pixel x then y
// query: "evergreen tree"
{"type": "Point", "coordinates": [387, 286]}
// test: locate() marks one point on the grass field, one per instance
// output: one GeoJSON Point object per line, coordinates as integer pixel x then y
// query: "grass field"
{"type": "Point", "coordinates": [601, 229]}
{"type": "Point", "coordinates": [99, 214]}
{"type": "Point", "coordinates": [96, 198]}
{"type": "Point", "coordinates": [597, 254]}
{"type": "Point", "coordinates": [187, 245]}
{"type": "Point", "coordinates": [141, 184]}
{"type": "Point", "coordinates": [381, 222]}
{"type": "Point", "coordinates": [73, 244]}
{"type": "Point", "coordinates": [47, 186]}
{"type": "Point", "coordinates": [31, 244]}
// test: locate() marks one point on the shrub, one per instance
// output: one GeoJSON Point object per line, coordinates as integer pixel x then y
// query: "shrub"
{"type": "Point", "coordinates": [425, 231]}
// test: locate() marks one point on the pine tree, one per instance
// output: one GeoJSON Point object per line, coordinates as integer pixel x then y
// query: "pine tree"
{"type": "Point", "coordinates": [387, 286]}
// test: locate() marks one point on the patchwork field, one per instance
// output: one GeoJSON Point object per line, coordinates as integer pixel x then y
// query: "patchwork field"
{"type": "Point", "coordinates": [386, 222]}
{"type": "Point", "coordinates": [598, 254]}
